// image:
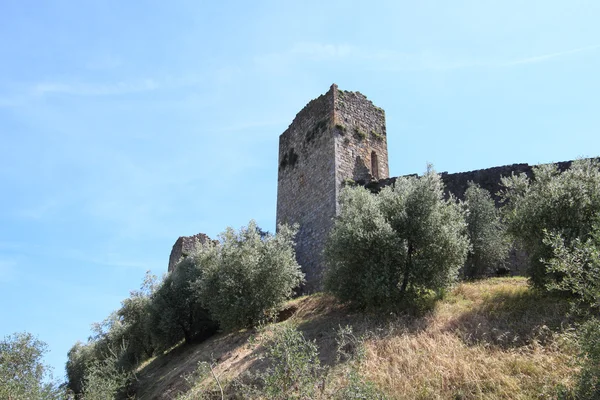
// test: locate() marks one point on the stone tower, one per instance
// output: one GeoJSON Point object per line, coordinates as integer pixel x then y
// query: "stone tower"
{"type": "Point", "coordinates": [336, 137]}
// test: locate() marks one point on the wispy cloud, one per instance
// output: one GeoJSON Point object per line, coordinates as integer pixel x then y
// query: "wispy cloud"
{"type": "Point", "coordinates": [89, 89]}
{"type": "Point", "coordinates": [20, 94]}
{"type": "Point", "coordinates": [550, 56]}
{"type": "Point", "coordinates": [392, 60]}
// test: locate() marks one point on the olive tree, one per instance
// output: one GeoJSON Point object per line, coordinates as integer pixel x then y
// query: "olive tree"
{"type": "Point", "coordinates": [408, 238]}
{"type": "Point", "coordinates": [251, 275]}
{"type": "Point", "coordinates": [578, 267]}
{"type": "Point", "coordinates": [563, 204]}
{"type": "Point", "coordinates": [135, 313]}
{"type": "Point", "coordinates": [23, 375]}
{"type": "Point", "coordinates": [176, 308]}
{"type": "Point", "coordinates": [489, 244]}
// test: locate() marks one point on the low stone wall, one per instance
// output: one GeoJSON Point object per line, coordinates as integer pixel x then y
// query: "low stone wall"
{"type": "Point", "coordinates": [488, 178]}
{"type": "Point", "coordinates": [185, 246]}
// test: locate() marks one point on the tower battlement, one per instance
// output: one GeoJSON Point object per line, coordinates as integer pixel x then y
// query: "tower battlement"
{"type": "Point", "coordinates": [336, 137]}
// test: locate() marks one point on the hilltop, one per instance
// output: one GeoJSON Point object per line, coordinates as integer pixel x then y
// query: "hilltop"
{"type": "Point", "coordinates": [496, 338]}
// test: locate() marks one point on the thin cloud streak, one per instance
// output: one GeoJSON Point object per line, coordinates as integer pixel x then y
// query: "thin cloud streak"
{"type": "Point", "coordinates": [85, 89]}
{"type": "Point", "coordinates": [546, 57]}
{"type": "Point", "coordinates": [389, 60]}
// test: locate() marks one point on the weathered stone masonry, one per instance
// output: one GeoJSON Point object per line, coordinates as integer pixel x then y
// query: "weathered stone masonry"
{"type": "Point", "coordinates": [488, 179]}
{"type": "Point", "coordinates": [338, 136]}
{"type": "Point", "coordinates": [184, 246]}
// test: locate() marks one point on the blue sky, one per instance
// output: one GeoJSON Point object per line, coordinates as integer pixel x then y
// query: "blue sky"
{"type": "Point", "coordinates": [126, 124]}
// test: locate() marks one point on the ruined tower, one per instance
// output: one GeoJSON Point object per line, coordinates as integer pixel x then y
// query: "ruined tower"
{"type": "Point", "coordinates": [336, 137]}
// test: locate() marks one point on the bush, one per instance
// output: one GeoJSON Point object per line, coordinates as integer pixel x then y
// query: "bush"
{"type": "Point", "coordinates": [176, 309]}
{"type": "Point", "coordinates": [589, 377]}
{"type": "Point", "coordinates": [23, 376]}
{"type": "Point", "coordinates": [578, 267]}
{"type": "Point", "coordinates": [104, 379]}
{"type": "Point", "coordinates": [135, 314]}
{"type": "Point", "coordinates": [295, 367]}
{"type": "Point", "coordinates": [555, 203]}
{"type": "Point", "coordinates": [406, 239]}
{"type": "Point", "coordinates": [79, 357]}
{"type": "Point", "coordinates": [251, 276]}
{"type": "Point", "coordinates": [489, 245]}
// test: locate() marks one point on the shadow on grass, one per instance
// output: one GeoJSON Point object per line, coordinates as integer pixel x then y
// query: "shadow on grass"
{"type": "Point", "coordinates": [512, 318]}
{"type": "Point", "coordinates": [325, 322]}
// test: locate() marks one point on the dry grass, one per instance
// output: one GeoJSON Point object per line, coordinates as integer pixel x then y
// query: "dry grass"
{"type": "Point", "coordinates": [492, 339]}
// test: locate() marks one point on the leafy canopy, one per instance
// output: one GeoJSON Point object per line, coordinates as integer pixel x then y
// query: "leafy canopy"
{"type": "Point", "coordinates": [560, 204]}
{"type": "Point", "coordinates": [489, 244]}
{"type": "Point", "coordinates": [406, 239]}
{"type": "Point", "coordinates": [251, 275]}
{"type": "Point", "coordinates": [23, 375]}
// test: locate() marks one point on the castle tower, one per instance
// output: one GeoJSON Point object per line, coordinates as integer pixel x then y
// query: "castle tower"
{"type": "Point", "coordinates": [336, 137]}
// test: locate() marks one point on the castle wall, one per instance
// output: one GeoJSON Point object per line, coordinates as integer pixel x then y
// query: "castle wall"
{"type": "Point", "coordinates": [184, 246]}
{"type": "Point", "coordinates": [488, 178]}
{"type": "Point", "coordinates": [306, 192]}
{"type": "Point", "coordinates": [331, 140]}
{"type": "Point", "coordinates": [361, 141]}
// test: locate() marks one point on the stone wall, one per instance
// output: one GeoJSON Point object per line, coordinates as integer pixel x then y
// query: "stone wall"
{"type": "Point", "coordinates": [185, 246]}
{"type": "Point", "coordinates": [306, 182]}
{"type": "Point", "coordinates": [488, 178]}
{"type": "Point", "coordinates": [331, 140]}
{"type": "Point", "coordinates": [361, 141]}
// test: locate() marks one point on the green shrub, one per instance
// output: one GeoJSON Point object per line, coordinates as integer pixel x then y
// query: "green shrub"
{"type": "Point", "coordinates": [351, 349]}
{"type": "Point", "coordinates": [489, 245]}
{"type": "Point", "coordinates": [555, 203]}
{"type": "Point", "coordinates": [104, 380]}
{"type": "Point", "coordinates": [79, 358]}
{"type": "Point", "coordinates": [341, 128]}
{"type": "Point", "coordinates": [251, 276]}
{"type": "Point", "coordinates": [23, 376]}
{"type": "Point", "coordinates": [295, 369]}
{"type": "Point", "coordinates": [588, 386]}
{"type": "Point", "coordinates": [406, 239]}
{"type": "Point", "coordinates": [177, 311]}
{"type": "Point", "coordinates": [359, 133]}
{"type": "Point", "coordinates": [578, 267]}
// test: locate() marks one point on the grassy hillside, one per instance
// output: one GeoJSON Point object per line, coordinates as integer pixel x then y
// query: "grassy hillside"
{"type": "Point", "coordinates": [495, 339]}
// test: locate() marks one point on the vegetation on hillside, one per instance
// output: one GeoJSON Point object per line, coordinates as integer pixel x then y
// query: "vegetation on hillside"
{"type": "Point", "coordinates": [238, 283]}
{"type": "Point", "coordinates": [23, 375]}
{"type": "Point", "coordinates": [486, 232]}
{"type": "Point", "coordinates": [495, 338]}
{"type": "Point", "coordinates": [406, 239]}
{"type": "Point", "coordinates": [397, 254]}
{"type": "Point", "coordinates": [564, 205]}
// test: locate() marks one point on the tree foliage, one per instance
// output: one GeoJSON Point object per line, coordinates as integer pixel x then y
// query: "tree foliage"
{"type": "Point", "coordinates": [560, 204]}
{"type": "Point", "coordinates": [23, 375]}
{"type": "Point", "coordinates": [407, 238]}
{"type": "Point", "coordinates": [176, 309]}
{"type": "Point", "coordinates": [588, 386]}
{"type": "Point", "coordinates": [121, 341]}
{"type": "Point", "coordinates": [489, 245]}
{"type": "Point", "coordinates": [249, 275]}
{"type": "Point", "coordinates": [577, 265]}
{"type": "Point", "coordinates": [235, 283]}
{"type": "Point", "coordinates": [104, 379]}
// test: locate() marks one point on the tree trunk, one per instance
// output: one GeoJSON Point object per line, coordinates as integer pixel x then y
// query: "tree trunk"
{"type": "Point", "coordinates": [407, 269]}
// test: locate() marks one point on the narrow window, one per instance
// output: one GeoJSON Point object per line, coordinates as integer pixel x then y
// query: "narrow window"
{"type": "Point", "coordinates": [374, 165]}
